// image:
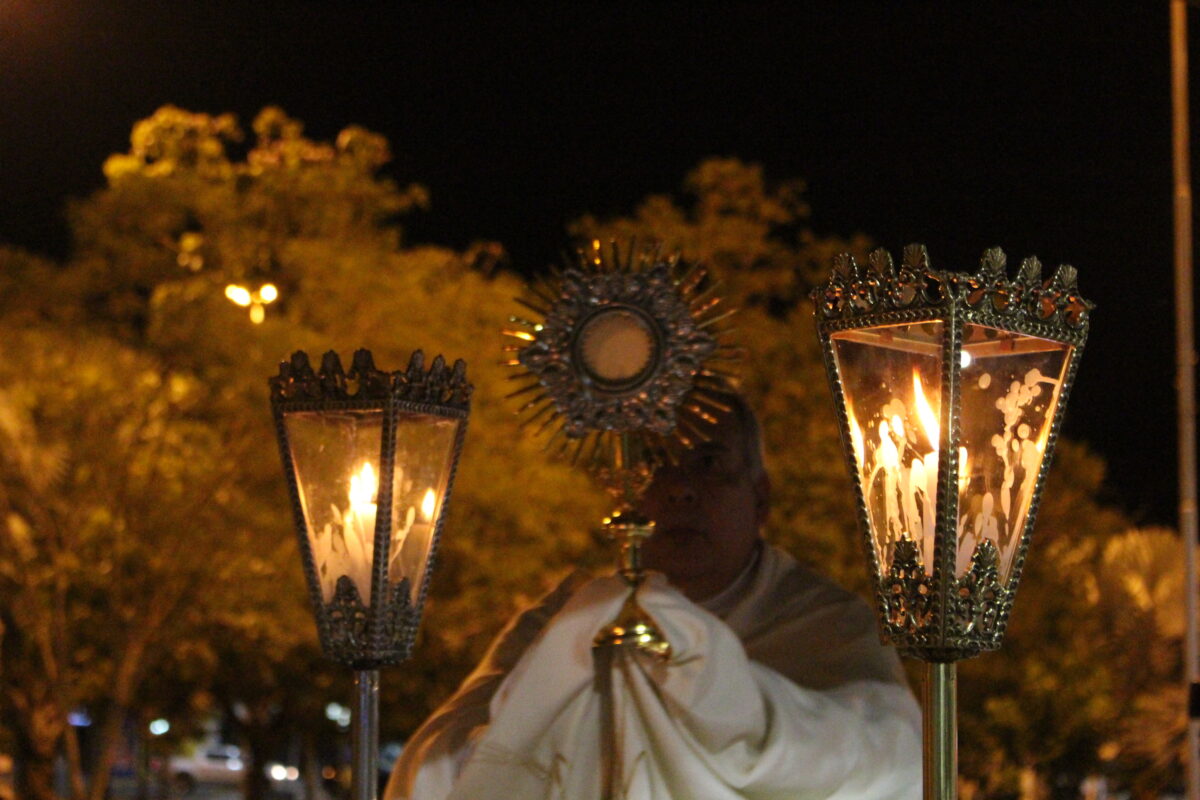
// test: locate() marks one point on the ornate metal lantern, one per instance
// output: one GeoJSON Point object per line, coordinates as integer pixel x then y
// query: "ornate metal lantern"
{"type": "Point", "coordinates": [950, 389]}
{"type": "Point", "coordinates": [369, 458]}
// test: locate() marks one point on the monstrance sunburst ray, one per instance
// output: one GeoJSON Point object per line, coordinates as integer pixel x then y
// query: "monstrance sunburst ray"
{"type": "Point", "coordinates": [624, 348]}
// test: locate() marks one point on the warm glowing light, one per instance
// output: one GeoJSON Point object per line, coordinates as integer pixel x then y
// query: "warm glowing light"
{"type": "Point", "coordinates": [429, 504]}
{"type": "Point", "coordinates": [889, 456]}
{"type": "Point", "coordinates": [964, 470]}
{"type": "Point", "coordinates": [965, 359]}
{"type": "Point", "coordinates": [278, 772]}
{"type": "Point", "coordinates": [364, 485]}
{"type": "Point", "coordinates": [238, 294]}
{"type": "Point", "coordinates": [358, 529]}
{"type": "Point", "coordinates": [856, 438]}
{"type": "Point", "coordinates": [257, 314]}
{"type": "Point", "coordinates": [268, 293]}
{"type": "Point", "coordinates": [925, 414]}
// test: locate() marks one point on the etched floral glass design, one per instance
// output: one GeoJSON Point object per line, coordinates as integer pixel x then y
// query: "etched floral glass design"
{"type": "Point", "coordinates": [1010, 385]}
{"type": "Point", "coordinates": [336, 457]}
{"type": "Point", "coordinates": [891, 380]}
{"type": "Point", "coordinates": [424, 452]}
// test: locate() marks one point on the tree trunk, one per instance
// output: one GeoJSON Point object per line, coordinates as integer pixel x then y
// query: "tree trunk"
{"type": "Point", "coordinates": [33, 760]}
{"type": "Point", "coordinates": [74, 763]}
{"type": "Point", "coordinates": [1031, 784]}
{"type": "Point", "coordinates": [309, 768]}
{"type": "Point", "coordinates": [124, 684]}
{"type": "Point", "coordinates": [255, 785]}
{"type": "Point", "coordinates": [259, 736]}
{"type": "Point", "coordinates": [143, 763]}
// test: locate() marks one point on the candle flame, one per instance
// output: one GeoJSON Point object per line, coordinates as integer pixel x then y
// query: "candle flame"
{"type": "Point", "coordinates": [964, 469]}
{"type": "Point", "coordinates": [364, 485]}
{"type": "Point", "coordinates": [856, 438]}
{"type": "Point", "coordinates": [429, 504]}
{"type": "Point", "coordinates": [925, 414]}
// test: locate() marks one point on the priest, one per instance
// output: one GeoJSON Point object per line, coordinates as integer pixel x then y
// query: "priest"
{"type": "Point", "coordinates": [776, 687]}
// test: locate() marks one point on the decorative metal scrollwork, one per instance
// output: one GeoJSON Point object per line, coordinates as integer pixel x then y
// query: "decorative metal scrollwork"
{"type": "Point", "coordinates": [623, 356]}
{"type": "Point", "coordinates": [439, 384]}
{"type": "Point", "coordinates": [906, 594]}
{"type": "Point", "coordinates": [976, 605]}
{"type": "Point", "coordinates": [345, 625]}
{"type": "Point", "coordinates": [856, 290]}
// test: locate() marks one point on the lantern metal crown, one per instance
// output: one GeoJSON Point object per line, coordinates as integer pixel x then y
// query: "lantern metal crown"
{"type": "Point", "coordinates": [369, 458]}
{"type": "Point", "coordinates": [950, 389]}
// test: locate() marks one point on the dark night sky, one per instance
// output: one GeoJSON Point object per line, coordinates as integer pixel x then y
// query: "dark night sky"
{"type": "Point", "coordinates": [1044, 129]}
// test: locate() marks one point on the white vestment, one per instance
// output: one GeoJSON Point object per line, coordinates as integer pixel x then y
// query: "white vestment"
{"type": "Point", "coordinates": [782, 691]}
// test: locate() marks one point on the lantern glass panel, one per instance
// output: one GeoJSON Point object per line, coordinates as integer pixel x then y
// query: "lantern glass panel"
{"type": "Point", "coordinates": [336, 457]}
{"type": "Point", "coordinates": [891, 381]}
{"type": "Point", "coordinates": [1010, 385]}
{"type": "Point", "coordinates": [424, 454]}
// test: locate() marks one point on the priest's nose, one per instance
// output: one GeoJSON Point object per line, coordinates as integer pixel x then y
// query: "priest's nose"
{"type": "Point", "coordinates": [674, 489]}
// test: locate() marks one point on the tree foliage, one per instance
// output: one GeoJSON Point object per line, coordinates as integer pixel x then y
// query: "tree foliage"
{"type": "Point", "coordinates": [142, 497]}
{"type": "Point", "coordinates": [184, 215]}
{"type": "Point", "coordinates": [112, 478]}
{"type": "Point", "coordinates": [1087, 680]}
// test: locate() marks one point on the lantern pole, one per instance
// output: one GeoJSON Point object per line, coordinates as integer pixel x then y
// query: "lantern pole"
{"type": "Point", "coordinates": [940, 730]}
{"type": "Point", "coordinates": [1185, 376]}
{"type": "Point", "coordinates": [365, 736]}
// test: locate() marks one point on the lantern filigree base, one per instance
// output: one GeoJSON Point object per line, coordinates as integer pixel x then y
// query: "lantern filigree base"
{"type": "Point", "coordinates": [972, 620]}
{"type": "Point", "coordinates": [366, 638]}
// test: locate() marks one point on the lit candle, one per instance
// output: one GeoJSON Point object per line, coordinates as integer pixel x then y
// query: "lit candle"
{"type": "Point", "coordinates": [429, 504]}
{"type": "Point", "coordinates": [900, 472]}
{"type": "Point", "coordinates": [413, 524]}
{"type": "Point", "coordinates": [358, 528]}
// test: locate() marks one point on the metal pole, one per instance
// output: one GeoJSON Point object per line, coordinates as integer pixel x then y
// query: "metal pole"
{"type": "Point", "coordinates": [603, 656]}
{"type": "Point", "coordinates": [365, 738]}
{"type": "Point", "coordinates": [940, 729]}
{"type": "Point", "coordinates": [1185, 357]}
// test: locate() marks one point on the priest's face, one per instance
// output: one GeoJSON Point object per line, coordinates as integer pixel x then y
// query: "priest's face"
{"type": "Point", "coordinates": [708, 510]}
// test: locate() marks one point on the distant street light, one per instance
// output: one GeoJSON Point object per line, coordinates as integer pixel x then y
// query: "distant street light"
{"type": "Point", "coordinates": [950, 389]}
{"type": "Point", "coordinates": [369, 458]}
{"type": "Point", "coordinates": [256, 301]}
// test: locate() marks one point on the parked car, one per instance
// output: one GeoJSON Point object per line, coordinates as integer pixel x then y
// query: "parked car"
{"type": "Point", "coordinates": [222, 765]}
{"type": "Point", "coordinates": [211, 764]}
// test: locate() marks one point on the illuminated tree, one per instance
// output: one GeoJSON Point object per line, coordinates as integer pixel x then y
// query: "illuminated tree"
{"type": "Point", "coordinates": [111, 481]}
{"type": "Point", "coordinates": [183, 228]}
{"type": "Point", "coordinates": [1061, 699]}
{"type": "Point", "coordinates": [149, 525]}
